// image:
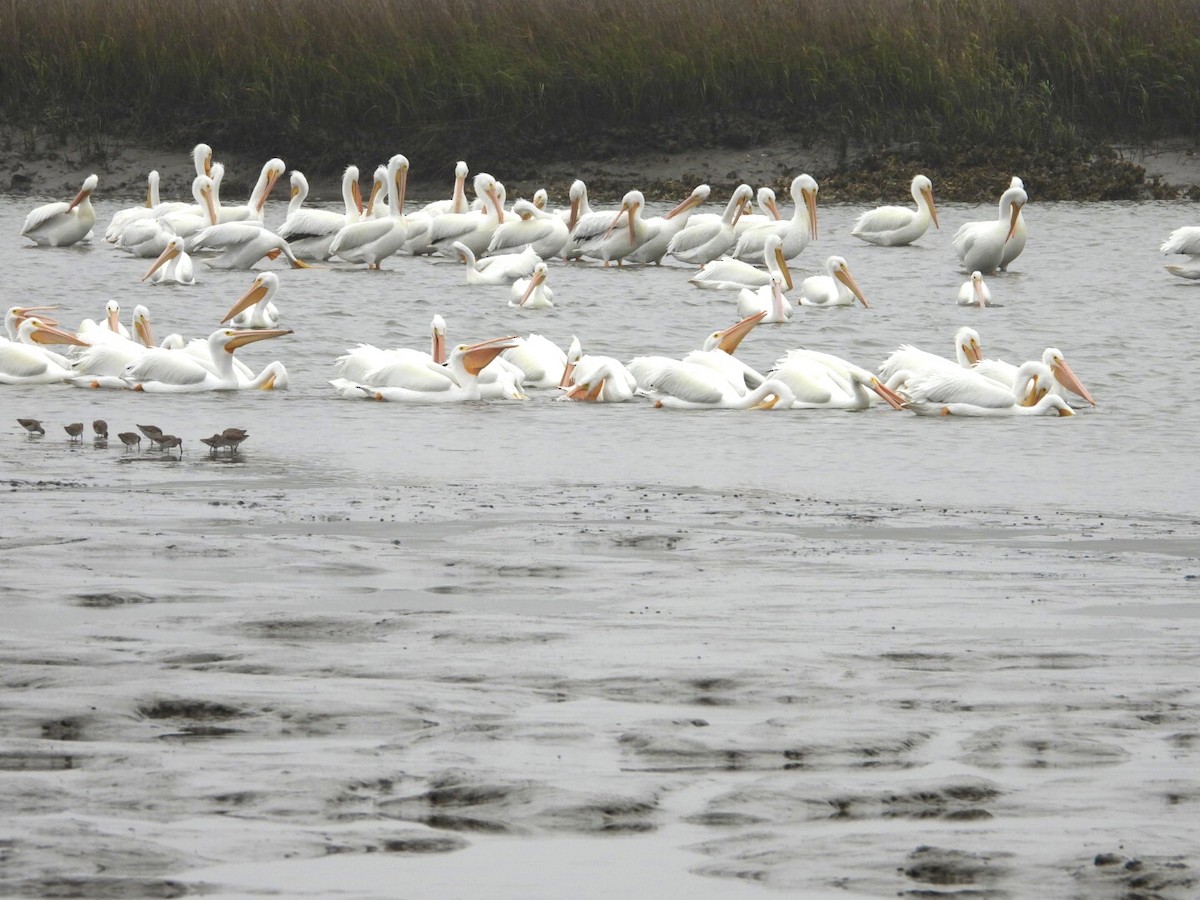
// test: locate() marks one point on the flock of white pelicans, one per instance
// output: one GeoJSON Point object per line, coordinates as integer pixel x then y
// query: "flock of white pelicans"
{"type": "Point", "coordinates": [735, 250]}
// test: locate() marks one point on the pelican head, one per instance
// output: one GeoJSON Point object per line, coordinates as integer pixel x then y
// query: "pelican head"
{"type": "Point", "coordinates": [173, 249]}
{"type": "Point", "coordinates": [1053, 359]}
{"type": "Point", "coordinates": [841, 271]}
{"type": "Point", "coordinates": [967, 347]}
{"type": "Point", "coordinates": [729, 338]}
{"type": "Point", "coordinates": [922, 190]}
{"type": "Point", "coordinates": [263, 287]}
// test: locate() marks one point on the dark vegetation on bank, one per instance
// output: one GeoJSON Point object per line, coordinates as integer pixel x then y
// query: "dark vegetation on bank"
{"type": "Point", "coordinates": [961, 87]}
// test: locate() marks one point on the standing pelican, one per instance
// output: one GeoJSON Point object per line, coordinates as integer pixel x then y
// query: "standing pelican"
{"type": "Point", "coordinates": [730, 274]}
{"type": "Point", "coordinates": [473, 228]}
{"type": "Point", "coordinates": [661, 229]}
{"type": "Point", "coordinates": [980, 245]}
{"type": "Point", "coordinates": [705, 238]}
{"type": "Point", "coordinates": [898, 226]}
{"type": "Point", "coordinates": [310, 232]}
{"type": "Point", "coordinates": [63, 224]}
{"type": "Point", "coordinates": [178, 371]}
{"type": "Point", "coordinates": [370, 240]}
{"type": "Point", "coordinates": [545, 232]}
{"type": "Point", "coordinates": [254, 308]}
{"type": "Point", "coordinates": [796, 232]}
{"type": "Point", "coordinates": [599, 236]}
{"type": "Point", "coordinates": [837, 288]}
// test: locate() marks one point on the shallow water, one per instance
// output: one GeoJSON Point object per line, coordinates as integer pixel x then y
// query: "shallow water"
{"type": "Point", "coordinates": [551, 649]}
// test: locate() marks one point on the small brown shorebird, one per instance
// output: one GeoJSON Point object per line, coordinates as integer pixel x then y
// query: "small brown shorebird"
{"type": "Point", "coordinates": [32, 426]}
{"type": "Point", "coordinates": [75, 431]}
{"type": "Point", "coordinates": [233, 438]}
{"type": "Point", "coordinates": [130, 439]}
{"type": "Point", "coordinates": [150, 431]}
{"type": "Point", "coordinates": [214, 443]}
{"type": "Point", "coordinates": [101, 428]}
{"type": "Point", "coordinates": [169, 442]}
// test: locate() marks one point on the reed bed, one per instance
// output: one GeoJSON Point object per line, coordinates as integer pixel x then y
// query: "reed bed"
{"type": "Point", "coordinates": [330, 79]}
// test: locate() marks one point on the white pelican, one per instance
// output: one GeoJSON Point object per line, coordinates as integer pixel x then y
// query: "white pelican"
{"type": "Point", "coordinates": [379, 185]}
{"type": "Point", "coordinates": [241, 245]}
{"type": "Point", "coordinates": [92, 331]}
{"type": "Point", "coordinates": [103, 364]}
{"type": "Point", "coordinates": [63, 224]}
{"type": "Point", "coordinates": [144, 238]}
{"type": "Point", "coordinates": [596, 379]}
{"type": "Point", "coordinates": [579, 206]}
{"type": "Point", "coordinates": [473, 228]}
{"type": "Point", "coordinates": [767, 299]}
{"type": "Point", "coordinates": [716, 355]}
{"type": "Point", "coordinates": [1184, 241]}
{"type": "Point", "coordinates": [765, 200]}
{"type": "Point", "coordinates": [661, 229]}
{"type": "Point", "coordinates": [254, 308]}
{"type": "Point", "coordinates": [354, 365]}
{"type": "Point", "coordinates": [456, 382]}
{"type": "Point", "coordinates": [796, 232]}
{"type": "Point", "coordinates": [370, 240]}
{"type": "Point", "coordinates": [980, 245]}
{"type": "Point", "coordinates": [690, 386]}
{"type": "Point", "coordinates": [1052, 358]}
{"type": "Point", "coordinates": [966, 393]}
{"type": "Point", "coordinates": [310, 231]}
{"type": "Point", "coordinates": [252, 209]}
{"type": "Point", "coordinates": [458, 196]}
{"type": "Point", "coordinates": [541, 362]}
{"type": "Point", "coordinates": [149, 209]}
{"type": "Point", "coordinates": [899, 226]}
{"type": "Point", "coordinates": [173, 265]}
{"type": "Point", "coordinates": [178, 371]}
{"type": "Point", "coordinates": [1015, 244]}
{"type": "Point", "coordinates": [600, 236]}
{"type": "Point", "coordinates": [17, 314]}
{"type": "Point", "coordinates": [705, 238]}
{"type": "Point", "coordinates": [545, 232]}
{"type": "Point", "coordinates": [532, 292]}
{"type": "Point", "coordinates": [824, 381]}
{"type": "Point", "coordinates": [908, 362]}
{"type": "Point", "coordinates": [24, 361]}
{"type": "Point", "coordinates": [503, 269]}
{"type": "Point", "coordinates": [188, 221]}
{"type": "Point", "coordinates": [730, 274]}
{"type": "Point", "coordinates": [838, 288]}
{"type": "Point", "coordinates": [974, 292]}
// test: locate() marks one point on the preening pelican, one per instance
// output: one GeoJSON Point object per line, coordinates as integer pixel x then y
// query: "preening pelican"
{"type": "Point", "coordinates": [796, 232]}
{"type": "Point", "coordinates": [967, 393]}
{"type": "Point", "coordinates": [173, 265]}
{"type": "Point", "coordinates": [1015, 244]}
{"type": "Point", "coordinates": [1184, 241]}
{"type": "Point", "coordinates": [980, 245]}
{"type": "Point", "coordinates": [661, 229]}
{"type": "Point", "coordinates": [503, 269]}
{"type": "Point", "coordinates": [545, 232]}
{"type": "Point", "coordinates": [456, 382]}
{"type": "Point", "coordinates": [898, 226]}
{"type": "Point", "coordinates": [767, 299]}
{"type": "Point", "coordinates": [474, 228]}
{"type": "Point", "coordinates": [371, 241]}
{"type": "Point", "coordinates": [596, 379]}
{"type": "Point", "coordinates": [178, 371]}
{"type": "Point", "coordinates": [1063, 379]}
{"type": "Point", "coordinates": [838, 288]}
{"type": "Point", "coordinates": [252, 209]}
{"type": "Point", "coordinates": [908, 362]}
{"type": "Point", "coordinates": [254, 308]}
{"type": "Point", "coordinates": [241, 245]}
{"type": "Point", "coordinates": [705, 238]}
{"type": "Point", "coordinates": [730, 274]}
{"type": "Point", "coordinates": [63, 224]}
{"type": "Point", "coordinates": [310, 232]}
{"type": "Point", "coordinates": [532, 292]}
{"type": "Point", "coordinates": [974, 292]}
{"type": "Point", "coordinates": [824, 381]}
{"type": "Point", "coordinates": [24, 361]}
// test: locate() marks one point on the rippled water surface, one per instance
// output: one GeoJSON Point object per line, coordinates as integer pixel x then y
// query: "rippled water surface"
{"type": "Point", "coordinates": [553, 649]}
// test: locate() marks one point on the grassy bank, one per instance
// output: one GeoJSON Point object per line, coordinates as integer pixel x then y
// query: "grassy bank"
{"type": "Point", "coordinates": [505, 81]}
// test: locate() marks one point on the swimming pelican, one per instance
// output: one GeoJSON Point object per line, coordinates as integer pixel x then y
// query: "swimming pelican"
{"type": "Point", "coordinates": [63, 224]}
{"type": "Point", "coordinates": [545, 232]}
{"type": "Point", "coordinates": [178, 371]}
{"type": "Point", "coordinates": [1015, 244]}
{"type": "Point", "coordinates": [908, 362]}
{"type": "Point", "coordinates": [503, 269]}
{"type": "Point", "coordinates": [474, 228]}
{"type": "Point", "coordinates": [241, 245]}
{"type": "Point", "coordinates": [967, 393]}
{"type": "Point", "coordinates": [974, 292]}
{"type": "Point", "coordinates": [92, 331]}
{"type": "Point", "coordinates": [898, 226]}
{"type": "Point", "coordinates": [705, 238]}
{"type": "Point", "coordinates": [596, 379]}
{"type": "Point", "coordinates": [715, 355]}
{"type": "Point", "coordinates": [310, 232]}
{"type": "Point", "coordinates": [458, 381]}
{"type": "Point", "coordinates": [1063, 378]}
{"type": "Point", "coordinates": [191, 219]}
{"type": "Point", "coordinates": [458, 196]}
{"type": "Point", "coordinates": [796, 232]}
{"type": "Point", "coordinates": [731, 274]}
{"type": "Point", "coordinates": [173, 265]}
{"type": "Point", "coordinates": [980, 245]}
{"type": "Point", "coordinates": [370, 240]}
{"type": "Point", "coordinates": [599, 236]}
{"type": "Point", "coordinates": [252, 209]}
{"type": "Point", "coordinates": [824, 381]}
{"type": "Point", "coordinates": [768, 299]}
{"type": "Point", "coordinates": [148, 209]}
{"type": "Point", "coordinates": [354, 366]}
{"type": "Point", "coordinates": [661, 229]}
{"type": "Point", "coordinates": [532, 292]}
{"type": "Point", "coordinates": [24, 361]}
{"type": "Point", "coordinates": [689, 387]}
{"type": "Point", "coordinates": [103, 364]}
{"type": "Point", "coordinates": [17, 314]}
{"type": "Point", "coordinates": [1184, 241]}
{"type": "Point", "coordinates": [144, 238]}
{"type": "Point", "coordinates": [838, 288]}
{"type": "Point", "coordinates": [540, 361]}
{"type": "Point", "coordinates": [264, 313]}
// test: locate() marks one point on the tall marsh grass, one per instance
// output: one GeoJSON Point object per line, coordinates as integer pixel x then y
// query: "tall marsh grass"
{"type": "Point", "coordinates": [496, 78]}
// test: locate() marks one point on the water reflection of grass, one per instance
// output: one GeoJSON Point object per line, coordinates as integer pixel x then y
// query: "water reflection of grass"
{"type": "Point", "coordinates": [432, 77]}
